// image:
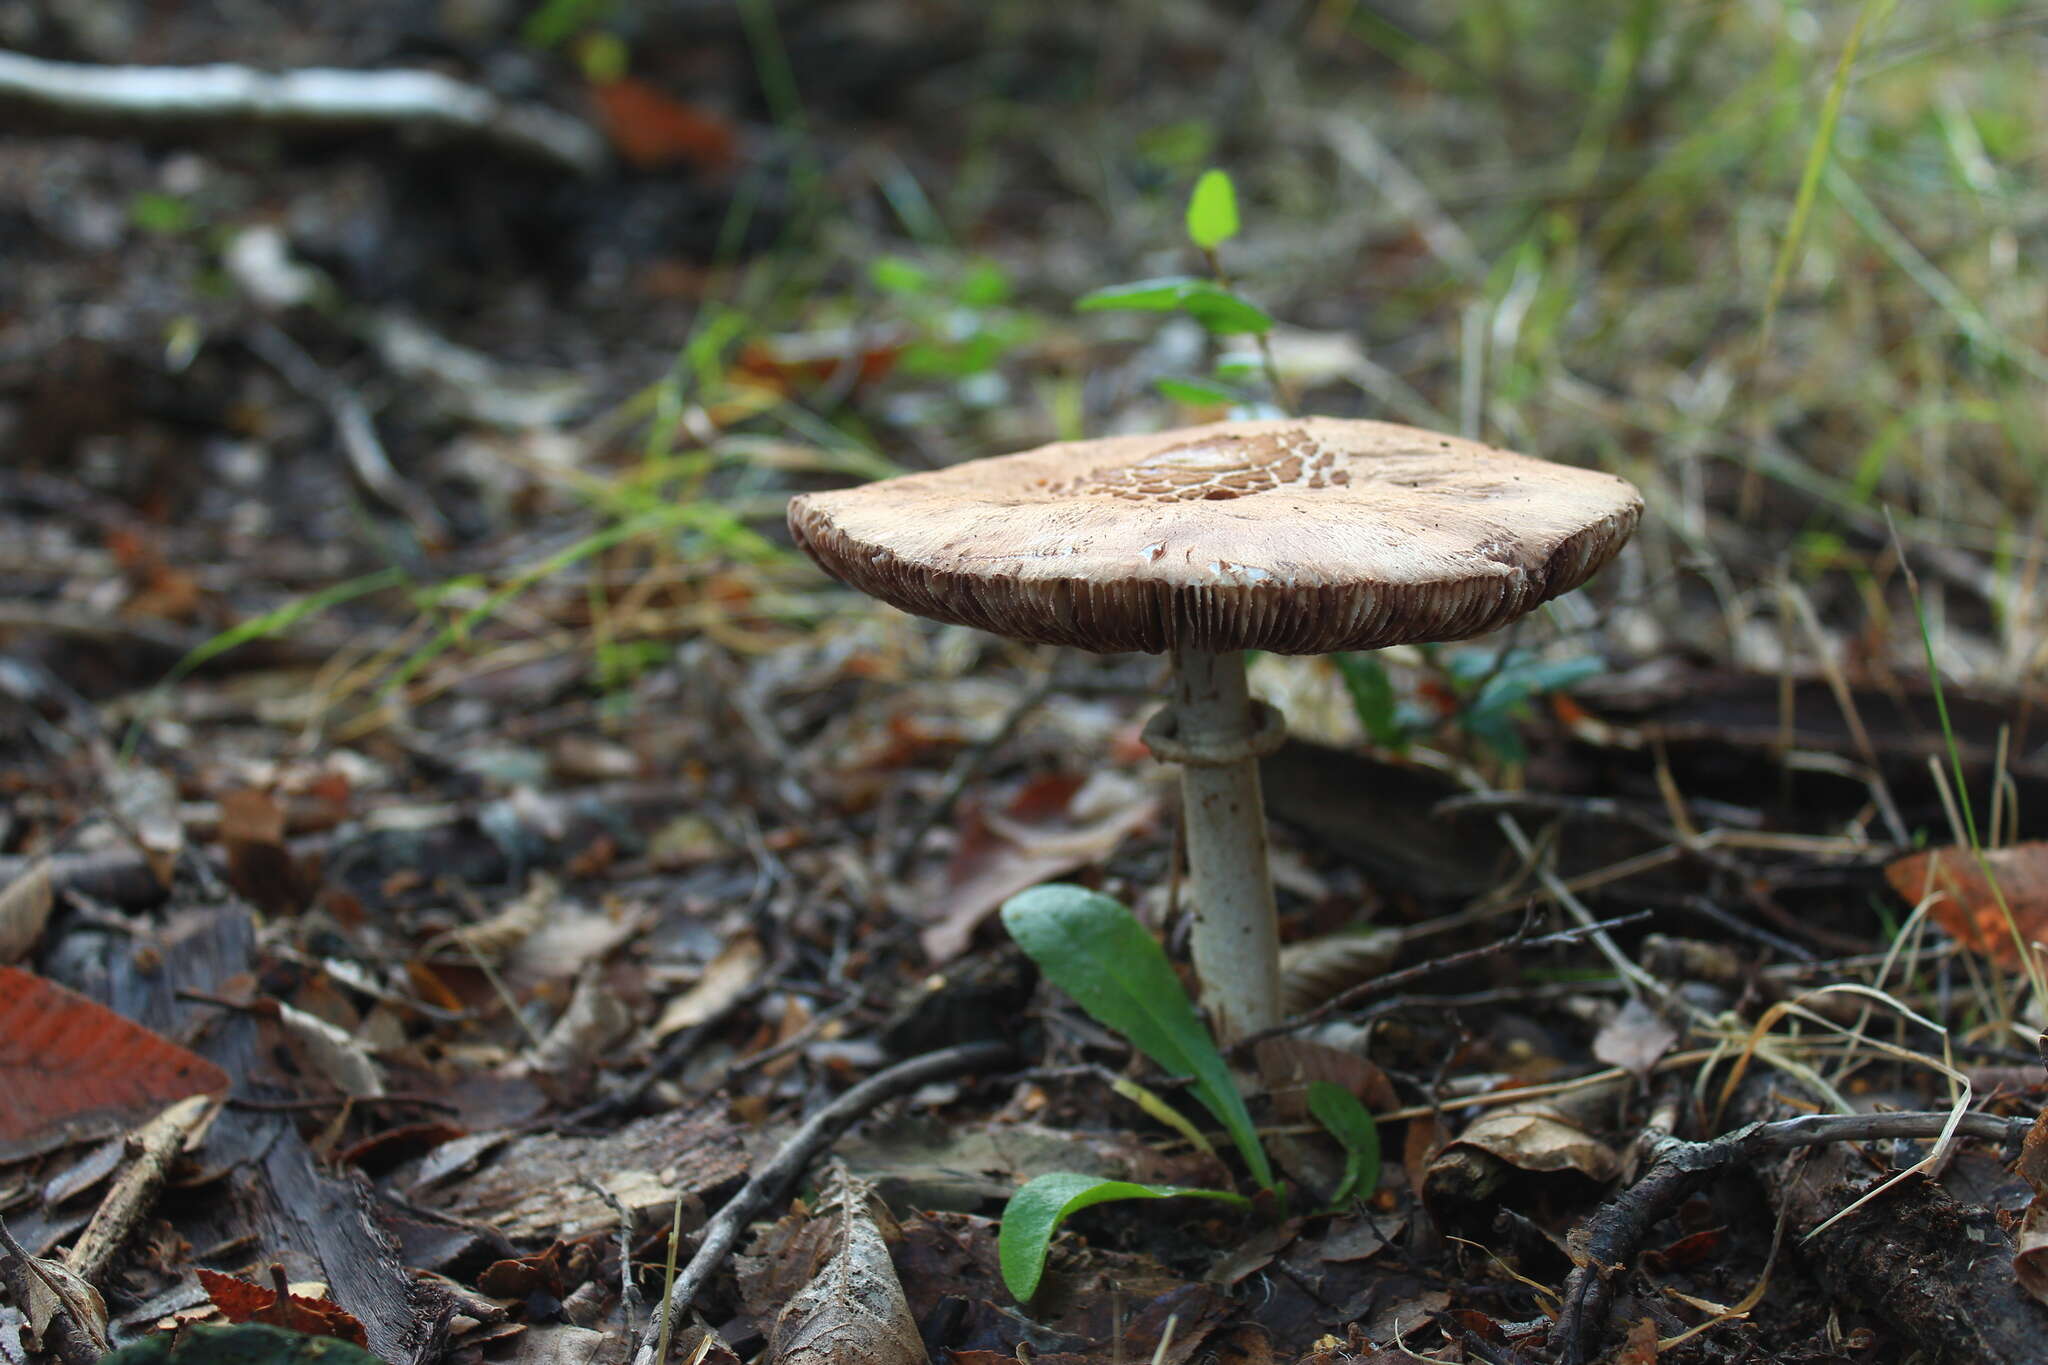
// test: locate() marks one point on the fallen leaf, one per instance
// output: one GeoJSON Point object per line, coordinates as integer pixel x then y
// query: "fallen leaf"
{"type": "Point", "coordinates": [1635, 1039]}
{"type": "Point", "coordinates": [260, 865]}
{"type": "Point", "coordinates": [145, 802]}
{"type": "Point", "coordinates": [651, 129]}
{"type": "Point", "coordinates": [1969, 907]}
{"type": "Point", "coordinates": [595, 1019]}
{"type": "Point", "coordinates": [1640, 1347]}
{"type": "Point", "coordinates": [1055, 824]}
{"type": "Point", "coordinates": [2030, 1248]}
{"type": "Point", "coordinates": [24, 909]}
{"type": "Point", "coordinates": [330, 1052]}
{"type": "Point", "coordinates": [72, 1069]}
{"type": "Point", "coordinates": [853, 1308]}
{"type": "Point", "coordinates": [241, 1300]}
{"type": "Point", "coordinates": [55, 1288]}
{"type": "Point", "coordinates": [498, 935]}
{"type": "Point", "coordinates": [728, 976]}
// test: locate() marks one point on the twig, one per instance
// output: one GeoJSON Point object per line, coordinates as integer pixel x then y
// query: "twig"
{"type": "Point", "coordinates": [155, 1145]}
{"type": "Point", "coordinates": [353, 427]}
{"type": "Point", "coordinates": [772, 1182]}
{"type": "Point", "coordinates": [1394, 981]}
{"type": "Point", "coordinates": [317, 97]}
{"type": "Point", "coordinates": [964, 770]}
{"type": "Point", "coordinates": [1610, 1236]}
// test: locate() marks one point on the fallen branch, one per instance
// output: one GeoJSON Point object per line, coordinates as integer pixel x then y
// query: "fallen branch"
{"type": "Point", "coordinates": [773, 1181]}
{"type": "Point", "coordinates": [317, 97]}
{"type": "Point", "coordinates": [1605, 1242]}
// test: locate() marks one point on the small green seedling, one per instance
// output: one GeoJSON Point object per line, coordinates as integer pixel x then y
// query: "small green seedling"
{"type": "Point", "coordinates": [1211, 221]}
{"type": "Point", "coordinates": [1093, 948]}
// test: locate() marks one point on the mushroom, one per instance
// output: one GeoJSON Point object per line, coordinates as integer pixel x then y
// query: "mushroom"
{"type": "Point", "coordinates": [1299, 536]}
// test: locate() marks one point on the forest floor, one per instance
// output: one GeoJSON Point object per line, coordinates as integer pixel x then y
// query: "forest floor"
{"type": "Point", "coordinates": [454, 850]}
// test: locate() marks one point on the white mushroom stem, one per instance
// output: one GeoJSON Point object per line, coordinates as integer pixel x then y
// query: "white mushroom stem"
{"type": "Point", "coordinates": [1236, 937]}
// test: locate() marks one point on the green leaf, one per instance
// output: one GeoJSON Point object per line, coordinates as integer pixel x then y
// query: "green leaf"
{"type": "Point", "coordinates": [1161, 295]}
{"type": "Point", "coordinates": [1338, 1110]}
{"type": "Point", "coordinates": [896, 275]}
{"type": "Point", "coordinates": [1197, 391]}
{"type": "Point", "coordinates": [1095, 950]}
{"type": "Point", "coordinates": [1372, 697]}
{"type": "Point", "coordinates": [1035, 1212]}
{"type": "Point", "coordinates": [1221, 311]}
{"type": "Point", "coordinates": [1206, 301]}
{"type": "Point", "coordinates": [1212, 210]}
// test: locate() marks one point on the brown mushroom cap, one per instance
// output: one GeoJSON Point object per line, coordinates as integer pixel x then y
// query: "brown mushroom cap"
{"type": "Point", "coordinates": [1300, 537]}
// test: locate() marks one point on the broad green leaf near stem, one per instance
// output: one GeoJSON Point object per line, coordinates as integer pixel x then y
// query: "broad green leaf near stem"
{"type": "Point", "coordinates": [1197, 391]}
{"type": "Point", "coordinates": [1095, 950]}
{"type": "Point", "coordinates": [1036, 1211]}
{"type": "Point", "coordinates": [1212, 210]}
{"type": "Point", "coordinates": [1218, 309]}
{"type": "Point", "coordinates": [1338, 1110]}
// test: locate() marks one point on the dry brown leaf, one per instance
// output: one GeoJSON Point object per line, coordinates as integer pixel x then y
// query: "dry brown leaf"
{"type": "Point", "coordinates": [1641, 1346]}
{"type": "Point", "coordinates": [492, 938]}
{"type": "Point", "coordinates": [55, 1288]}
{"type": "Point", "coordinates": [728, 976]}
{"type": "Point", "coordinates": [24, 909]}
{"type": "Point", "coordinates": [145, 801]}
{"type": "Point", "coordinates": [331, 1052]}
{"type": "Point", "coordinates": [1054, 825]}
{"type": "Point", "coordinates": [853, 1308]}
{"type": "Point", "coordinates": [595, 1019]}
{"type": "Point", "coordinates": [1635, 1039]}
{"type": "Point", "coordinates": [1969, 908]}
{"type": "Point", "coordinates": [1323, 968]}
{"type": "Point", "coordinates": [1530, 1139]}
{"type": "Point", "coordinates": [2030, 1252]}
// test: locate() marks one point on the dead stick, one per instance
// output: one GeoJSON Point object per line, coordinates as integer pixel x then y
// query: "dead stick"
{"type": "Point", "coordinates": [1393, 981]}
{"type": "Point", "coordinates": [772, 1182]}
{"type": "Point", "coordinates": [155, 1145]}
{"type": "Point", "coordinates": [1606, 1240]}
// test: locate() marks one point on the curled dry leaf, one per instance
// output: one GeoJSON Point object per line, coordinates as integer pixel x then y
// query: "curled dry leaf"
{"type": "Point", "coordinates": [1533, 1137]}
{"type": "Point", "coordinates": [1967, 905]}
{"type": "Point", "coordinates": [24, 909]}
{"type": "Point", "coordinates": [853, 1308]}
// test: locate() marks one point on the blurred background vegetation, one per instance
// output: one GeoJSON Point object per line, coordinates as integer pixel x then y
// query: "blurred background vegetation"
{"type": "Point", "coordinates": [1776, 262]}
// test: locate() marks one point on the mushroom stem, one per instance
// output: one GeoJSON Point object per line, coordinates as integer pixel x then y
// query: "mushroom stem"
{"type": "Point", "coordinates": [1236, 940]}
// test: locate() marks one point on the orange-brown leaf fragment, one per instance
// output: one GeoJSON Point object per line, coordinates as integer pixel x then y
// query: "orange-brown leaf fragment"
{"type": "Point", "coordinates": [72, 1069]}
{"type": "Point", "coordinates": [1968, 906]}
{"type": "Point", "coordinates": [651, 129]}
{"type": "Point", "coordinates": [241, 1300]}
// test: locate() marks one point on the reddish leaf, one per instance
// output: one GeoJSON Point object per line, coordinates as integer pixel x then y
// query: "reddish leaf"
{"type": "Point", "coordinates": [241, 1300]}
{"type": "Point", "coordinates": [651, 129]}
{"type": "Point", "coordinates": [1968, 908]}
{"type": "Point", "coordinates": [71, 1069]}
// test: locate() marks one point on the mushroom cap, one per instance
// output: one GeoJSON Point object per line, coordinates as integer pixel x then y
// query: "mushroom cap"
{"type": "Point", "coordinates": [1301, 536]}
